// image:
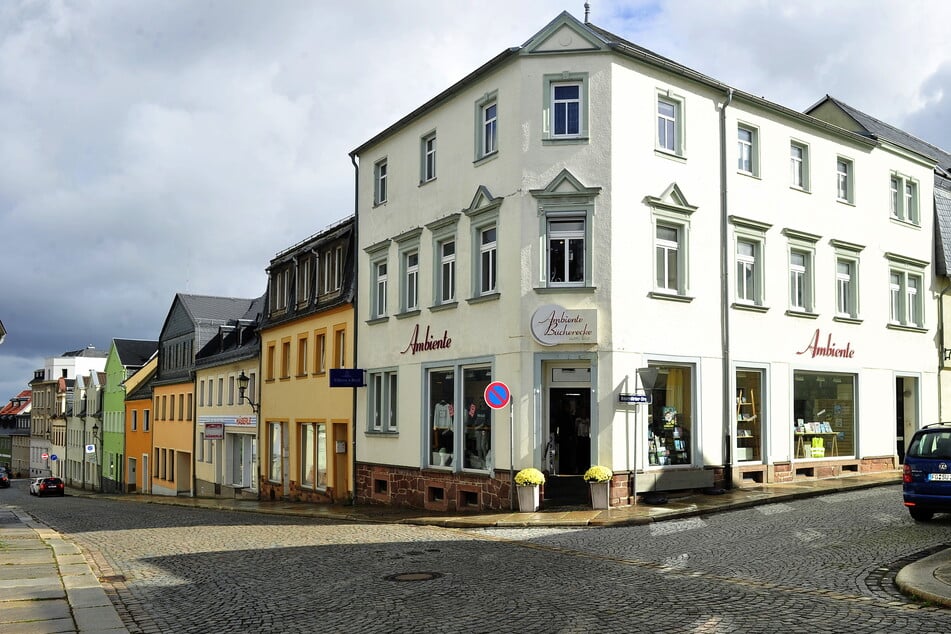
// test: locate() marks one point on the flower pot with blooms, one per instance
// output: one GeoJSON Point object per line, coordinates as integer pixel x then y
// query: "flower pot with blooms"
{"type": "Point", "coordinates": [600, 480]}
{"type": "Point", "coordinates": [527, 482]}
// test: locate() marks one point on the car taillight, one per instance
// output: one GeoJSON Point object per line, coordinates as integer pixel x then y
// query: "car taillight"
{"type": "Point", "coordinates": [906, 473]}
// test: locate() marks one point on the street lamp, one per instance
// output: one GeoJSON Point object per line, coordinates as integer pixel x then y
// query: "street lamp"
{"type": "Point", "coordinates": [243, 382]}
{"type": "Point", "coordinates": [97, 439]}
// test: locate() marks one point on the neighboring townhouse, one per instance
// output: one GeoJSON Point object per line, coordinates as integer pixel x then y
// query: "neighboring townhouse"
{"type": "Point", "coordinates": [62, 399]}
{"type": "Point", "coordinates": [226, 442]}
{"type": "Point", "coordinates": [125, 357]}
{"type": "Point", "coordinates": [903, 192]}
{"type": "Point", "coordinates": [138, 430]}
{"type": "Point", "coordinates": [14, 455]}
{"type": "Point", "coordinates": [192, 322]}
{"type": "Point", "coordinates": [84, 427]}
{"type": "Point", "coordinates": [48, 422]}
{"type": "Point", "coordinates": [942, 203]}
{"type": "Point", "coordinates": [42, 413]}
{"type": "Point", "coordinates": [307, 337]}
{"type": "Point", "coordinates": [674, 278]}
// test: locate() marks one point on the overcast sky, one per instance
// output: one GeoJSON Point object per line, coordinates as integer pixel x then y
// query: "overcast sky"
{"type": "Point", "coordinates": [155, 147]}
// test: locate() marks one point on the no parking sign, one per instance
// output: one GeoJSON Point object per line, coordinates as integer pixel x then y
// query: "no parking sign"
{"type": "Point", "coordinates": [497, 395]}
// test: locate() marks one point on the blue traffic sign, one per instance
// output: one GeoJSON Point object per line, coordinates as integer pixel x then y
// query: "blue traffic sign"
{"type": "Point", "coordinates": [53, 457]}
{"type": "Point", "coordinates": [497, 395]}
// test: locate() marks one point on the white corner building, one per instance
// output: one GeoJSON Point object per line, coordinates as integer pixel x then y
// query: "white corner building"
{"type": "Point", "coordinates": [675, 279]}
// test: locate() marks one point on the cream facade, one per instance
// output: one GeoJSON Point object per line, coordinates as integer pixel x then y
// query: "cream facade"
{"type": "Point", "coordinates": [226, 442]}
{"type": "Point", "coordinates": [596, 227]}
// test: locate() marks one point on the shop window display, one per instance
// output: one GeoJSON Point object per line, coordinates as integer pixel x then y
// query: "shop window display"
{"type": "Point", "coordinates": [670, 417]}
{"type": "Point", "coordinates": [477, 419]}
{"type": "Point", "coordinates": [469, 420]}
{"type": "Point", "coordinates": [749, 417]}
{"type": "Point", "coordinates": [823, 415]}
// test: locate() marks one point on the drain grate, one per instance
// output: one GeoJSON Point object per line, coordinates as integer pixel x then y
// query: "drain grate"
{"type": "Point", "coordinates": [414, 576]}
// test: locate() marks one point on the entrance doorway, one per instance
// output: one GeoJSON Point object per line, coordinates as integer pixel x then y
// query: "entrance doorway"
{"type": "Point", "coordinates": [569, 427]}
{"type": "Point", "coordinates": [906, 413]}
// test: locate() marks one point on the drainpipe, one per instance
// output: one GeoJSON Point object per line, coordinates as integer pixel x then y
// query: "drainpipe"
{"type": "Point", "coordinates": [356, 296]}
{"type": "Point", "coordinates": [727, 399]}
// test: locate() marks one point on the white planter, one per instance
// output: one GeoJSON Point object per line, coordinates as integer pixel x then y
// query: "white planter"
{"type": "Point", "coordinates": [527, 498]}
{"type": "Point", "coordinates": [600, 494]}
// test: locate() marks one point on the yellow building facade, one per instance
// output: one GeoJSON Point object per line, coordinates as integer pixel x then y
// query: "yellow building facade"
{"type": "Point", "coordinates": [307, 332]}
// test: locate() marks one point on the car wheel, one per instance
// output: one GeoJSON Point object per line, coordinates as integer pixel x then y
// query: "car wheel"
{"type": "Point", "coordinates": [920, 516]}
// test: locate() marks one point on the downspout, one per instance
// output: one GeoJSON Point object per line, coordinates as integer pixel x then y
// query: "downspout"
{"type": "Point", "coordinates": [356, 296]}
{"type": "Point", "coordinates": [727, 398]}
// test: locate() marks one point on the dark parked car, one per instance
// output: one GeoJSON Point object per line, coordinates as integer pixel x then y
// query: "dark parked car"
{"type": "Point", "coordinates": [50, 486]}
{"type": "Point", "coordinates": [926, 477]}
{"type": "Point", "coordinates": [4, 479]}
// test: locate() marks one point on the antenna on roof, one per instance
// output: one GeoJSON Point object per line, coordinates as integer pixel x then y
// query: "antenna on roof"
{"type": "Point", "coordinates": [587, 11]}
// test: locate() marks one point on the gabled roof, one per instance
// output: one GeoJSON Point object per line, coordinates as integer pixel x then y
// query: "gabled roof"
{"type": "Point", "coordinates": [566, 34]}
{"type": "Point", "coordinates": [88, 352]}
{"type": "Point", "coordinates": [19, 404]}
{"type": "Point", "coordinates": [133, 353]}
{"type": "Point", "coordinates": [235, 340]}
{"type": "Point", "coordinates": [873, 128]}
{"type": "Point", "coordinates": [3, 332]}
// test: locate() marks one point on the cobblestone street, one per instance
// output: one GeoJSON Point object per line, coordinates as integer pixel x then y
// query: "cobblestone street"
{"type": "Point", "coordinates": [811, 565]}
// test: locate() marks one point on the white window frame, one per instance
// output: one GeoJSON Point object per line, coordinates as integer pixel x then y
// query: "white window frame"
{"type": "Point", "coordinates": [847, 283]}
{"type": "Point", "coordinates": [382, 401]}
{"type": "Point", "coordinates": [304, 280]}
{"type": "Point", "coordinates": [380, 176]}
{"type": "Point", "coordinates": [747, 149]}
{"type": "Point", "coordinates": [333, 258]}
{"type": "Point", "coordinates": [275, 466]}
{"type": "Point", "coordinates": [845, 180]}
{"type": "Point", "coordinates": [551, 82]}
{"type": "Point", "coordinates": [846, 287]}
{"type": "Point", "coordinates": [663, 265]}
{"type": "Point", "coordinates": [673, 124]}
{"type": "Point", "coordinates": [904, 204]}
{"type": "Point", "coordinates": [802, 244]}
{"type": "Point", "coordinates": [671, 210]}
{"type": "Point", "coordinates": [487, 126]}
{"type": "Point", "coordinates": [799, 165]}
{"type": "Point", "coordinates": [907, 292]}
{"type": "Point", "coordinates": [380, 289]}
{"type": "Point", "coordinates": [443, 232]}
{"type": "Point", "coordinates": [488, 259]}
{"type": "Point", "coordinates": [753, 233]}
{"type": "Point", "coordinates": [446, 271]}
{"type": "Point", "coordinates": [411, 280]}
{"type": "Point", "coordinates": [427, 171]}
{"type": "Point", "coordinates": [555, 230]}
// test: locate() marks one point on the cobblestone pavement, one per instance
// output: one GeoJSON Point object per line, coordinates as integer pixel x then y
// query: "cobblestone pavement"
{"type": "Point", "coordinates": [816, 565]}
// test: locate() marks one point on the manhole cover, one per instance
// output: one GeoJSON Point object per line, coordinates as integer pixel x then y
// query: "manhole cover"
{"type": "Point", "coordinates": [112, 579]}
{"type": "Point", "coordinates": [414, 576]}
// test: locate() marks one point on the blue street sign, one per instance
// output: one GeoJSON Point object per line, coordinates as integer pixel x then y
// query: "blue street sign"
{"type": "Point", "coordinates": [497, 395]}
{"type": "Point", "coordinates": [53, 457]}
{"type": "Point", "coordinates": [345, 377]}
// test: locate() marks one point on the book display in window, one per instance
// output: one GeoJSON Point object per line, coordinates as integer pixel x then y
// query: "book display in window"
{"type": "Point", "coordinates": [667, 441]}
{"type": "Point", "coordinates": [747, 427]}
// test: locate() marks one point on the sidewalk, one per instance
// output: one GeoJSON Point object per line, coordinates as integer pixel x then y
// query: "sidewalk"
{"type": "Point", "coordinates": [47, 567]}
{"type": "Point", "coordinates": [46, 585]}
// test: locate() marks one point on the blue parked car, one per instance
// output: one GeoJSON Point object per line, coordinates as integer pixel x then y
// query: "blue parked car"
{"type": "Point", "coordinates": [926, 477]}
